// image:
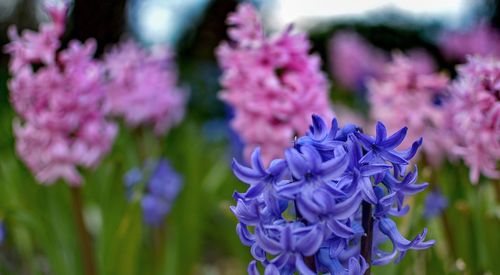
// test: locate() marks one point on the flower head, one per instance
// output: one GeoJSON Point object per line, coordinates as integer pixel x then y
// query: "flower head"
{"type": "Point", "coordinates": [353, 60]}
{"type": "Point", "coordinates": [142, 87]}
{"type": "Point", "coordinates": [475, 116]}
{"type": "Point", "coordinates": [162, 185]}
{"type": "Point", "coordinates": [306, 208]}
{"type": "Point", "coordinates": [435, 204]}
{"type": "Point", "coordinates": [407, 84]}
{"type": "Point", "coordinates": [61, 121]}
{"type": "Point", "coordinates": [480, 39]}
{"type": "Point", "coordinates": [272, 83]}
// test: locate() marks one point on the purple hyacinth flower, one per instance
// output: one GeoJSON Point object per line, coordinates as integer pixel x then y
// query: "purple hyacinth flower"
{"type": "Point", "coordinates": [290, 243]}
{"type": "Point", "coordinates": [3, 233]}
{"type": "Point", "coordinates": [334, 266]}
{"type": "Point", "coordinates": [400, 244]}
{"type": "Point", "coordinates": [261, 180]}
{"type": "Point", "coordinates": [311, 175]}
{"type": "Point", "coordinates": [358, 176]}
{"type": "Point", "coordinates": [164, 182]}
{"type": "Point", "coordinates": [406, 186]}
{"type": "Point", "coordinates": [308, 206]}
{"type": "Point", "coordinates": [382, 147]}
{"type": "Point", "coordinates": [435, 204]}
{"type": "Point", "coordinates": [154, 209]}
{"type": "Point", "coordinates": [161, 190]}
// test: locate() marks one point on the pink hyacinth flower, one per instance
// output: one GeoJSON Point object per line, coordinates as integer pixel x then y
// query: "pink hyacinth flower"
{"type": "Point", "coordinates": [272, 83]}
{"type": "Point", "coordinates": [61, 124]}
{"type": "Point", "coordinates": [475, 116]}
{"type": "Point", "coordinates": [353, 60]}
{"type": "Point", "coordinates": [409, 94]}
{"type": "Point", "coordinates": [142, 87]}
{"type": "Point", "coordinates": [481, 39]}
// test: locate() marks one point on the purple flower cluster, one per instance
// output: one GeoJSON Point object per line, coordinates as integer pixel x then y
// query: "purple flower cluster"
{"type": "Point", "coordinates": [59, 97]}
{"type": "Point", "coordinates": [303, 213]}
{"type": "Point", "coordinates": [163, 184]}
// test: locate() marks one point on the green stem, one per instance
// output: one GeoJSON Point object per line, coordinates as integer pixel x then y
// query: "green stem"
{"type": "Point", "coordinates": [83, 234]}
{"type": "Point", "coordinates": [443, 215]}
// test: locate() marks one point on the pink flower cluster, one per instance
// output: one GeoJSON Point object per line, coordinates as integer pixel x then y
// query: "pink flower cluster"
{"type": "Point", "coordinates": [142, 87]}
{"type": "Point", "coordinates": [353, 60]}
{"type": "Point", "coordinates": [58, 95]}
{"type": "Point", "coordinates": [410, 94]}
{"type": "Point", "coordinates": [272, 83]}
{"type": "Point", "coordinates": [481, 39]}
{"type": "Point", "coordinates": [475, 115]}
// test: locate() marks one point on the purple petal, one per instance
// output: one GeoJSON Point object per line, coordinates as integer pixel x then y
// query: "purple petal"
{"type": "Point", "coordinates": [392, 157]}
{"type": "Point", "coordinates": [295, 162]}
{"type": "Point", "coordinates": [340, 229]}
{"type": "Point", "coordinates": [277, 168]}
{"type": "Point", "coordinates": [381, 132]}
{"type": "Point", "coordinates": [258, 253]}
{"type": "Point", "coordinates": [286, 240]}
{"type": "Point", "coordinates": [333, 130]}
{"type": "Point", "coordinates": [309, 244]}
{"type": "Point", "coordinates": [412, 151]}
{"type": "Point", "coordinates": [311, 156]}
{"type": "Point", "coordinates": [394, 140]}
{"type": "Point", "coordinates": [245, 236]}
{"type": "Point", "coordinates": [373, 169]}
{"type": "Point", "coordinates": [252, 268]}
{"type": "Point", "coordinates": [256, 162]}
{"type": "Point", "coordinates": [334, 168]}
{"type": "Point", "coordinates": [346, 208]}
{"type": "Point", "coordinates": [268, 244]}
{"type": "Point", "coordinates": [290, 189]}
{"type": "Point", "coordinates": [302, 267]}
{"type": "Point", "coordinates": [366, 141]}
{"type": "Point", "coordinates": [271, 270]}
{"type": "Point", "coordinates": [255, 190]}
{"type": "Point", "coordinates": [245, 174]}
{"type": "Point", "coordinates": [367, 189]}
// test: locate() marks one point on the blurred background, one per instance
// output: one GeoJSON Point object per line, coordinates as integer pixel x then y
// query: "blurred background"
{"type": "Point", "coordinates": [36, 235]}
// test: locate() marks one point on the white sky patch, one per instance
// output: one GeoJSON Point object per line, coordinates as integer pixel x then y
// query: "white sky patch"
{"type": "Point", "coordinates": [156, 21]}
{"type": "Point", "coordinates": [302, 12]}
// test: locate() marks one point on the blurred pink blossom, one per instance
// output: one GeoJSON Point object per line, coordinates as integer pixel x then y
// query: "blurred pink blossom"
{"type": "Point", "coordinates": [475, 115]}
{"type": "Point", "coordinates": [353, 60]}
{"type": "Point", "coordinates": [61, 122]}
{"type": "Point", "coordinates": [142, 87]}
{"type": "Point", "coordinates": [272, 83]}
{"type": "Point", "coordinates": [410, 94]}
{"type": "Point", "coordinates": [481, 39]}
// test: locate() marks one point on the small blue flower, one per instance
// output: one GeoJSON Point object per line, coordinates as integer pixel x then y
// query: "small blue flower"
{"type": "Point", "coordinates": [162, 188]}
{"type": "Point", "coordinates": [132, 179]}
{"type": "Point", "coordinates": [3, 232]}
{"type": "Point", "coordinates": [435, 203]}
